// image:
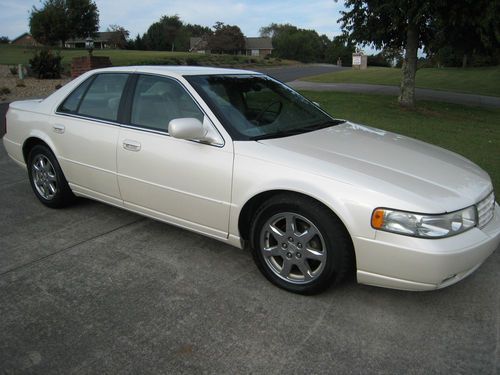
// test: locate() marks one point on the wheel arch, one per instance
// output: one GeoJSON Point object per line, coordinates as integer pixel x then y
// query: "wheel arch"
{"type": "Point", "coordinates": [252, 205]}
{"type": "Point", "coordinates": [31, 142]}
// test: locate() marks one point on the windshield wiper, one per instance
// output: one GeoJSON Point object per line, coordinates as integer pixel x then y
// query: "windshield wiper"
{"type": "Point", "coordinates": [285, 133]}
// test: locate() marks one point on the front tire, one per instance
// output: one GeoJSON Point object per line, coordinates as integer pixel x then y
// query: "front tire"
{"type": "Point", "coordinates": [300, 245]}
{"type": "Point", "coordinates": [47, 179]}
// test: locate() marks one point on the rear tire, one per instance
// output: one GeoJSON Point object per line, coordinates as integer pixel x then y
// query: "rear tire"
{"type": "Point", "coordinates": [47, 179]}
{"type": "Point", "coordinates": [300, 245]}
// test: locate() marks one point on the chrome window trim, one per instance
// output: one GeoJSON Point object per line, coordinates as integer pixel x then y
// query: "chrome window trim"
{"type": "Point", "coordinates": [135, 127]}
{"type": "Point", "coordinates": [88, 118]}
{"type": "Point", "coordinates": [105, 122]}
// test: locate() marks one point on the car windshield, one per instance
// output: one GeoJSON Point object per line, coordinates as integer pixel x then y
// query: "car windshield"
{"type": "Point", "coordinates": [253, 107]}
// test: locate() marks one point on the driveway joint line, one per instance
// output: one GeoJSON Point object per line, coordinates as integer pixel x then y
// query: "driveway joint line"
{"type": "Point", "coordinates": [41, 259]}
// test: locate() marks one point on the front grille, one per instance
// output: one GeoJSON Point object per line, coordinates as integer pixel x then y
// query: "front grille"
{"type": "Point", "coordinates": [485, 210]}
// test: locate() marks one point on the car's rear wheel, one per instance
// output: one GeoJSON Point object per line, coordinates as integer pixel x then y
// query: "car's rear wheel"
{"type": "Point", "coordinates": [47, 179]}
{"type": "Point", "coordinates": [300, 245]}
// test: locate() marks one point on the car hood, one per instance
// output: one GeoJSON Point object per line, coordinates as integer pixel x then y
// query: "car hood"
{"type": "Point", "coordinates": [388, 162]}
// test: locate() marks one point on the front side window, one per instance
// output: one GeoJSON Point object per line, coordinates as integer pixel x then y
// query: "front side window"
{"type": "Point", "coordinates": [159, 100]}
{"type": "Point", "coordinates": [98, 97]}
{"type": "Point", "coordinates": [256, 107]}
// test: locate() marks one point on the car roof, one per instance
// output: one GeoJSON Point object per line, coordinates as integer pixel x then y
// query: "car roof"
{"type": "Point", "coordinates": [181, 70]}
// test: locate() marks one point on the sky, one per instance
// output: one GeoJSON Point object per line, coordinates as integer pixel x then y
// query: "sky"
{"type": "Point", "coordinates": [137, 15]}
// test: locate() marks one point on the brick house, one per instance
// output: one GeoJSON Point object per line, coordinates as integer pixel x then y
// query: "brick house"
{"type": "Point", "coordinates": [25, 40]}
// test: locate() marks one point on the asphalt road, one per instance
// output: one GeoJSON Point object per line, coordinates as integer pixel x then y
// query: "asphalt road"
{"type": "Point", "coordinates": [421, 94]}
{"type": "Point", "coordinates": [292, 73]}
{"type": "Point", "coordinates": [95, 289]}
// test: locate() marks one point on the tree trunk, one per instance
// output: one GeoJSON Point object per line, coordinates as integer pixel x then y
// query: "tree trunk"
{"type": "Point", "coordinates": [407, 96]}
{"type": "Point", "coordinates": [464, 61]}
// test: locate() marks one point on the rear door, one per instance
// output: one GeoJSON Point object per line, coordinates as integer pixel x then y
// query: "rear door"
{"type": "Point", "coordinates": [86, 132]}
{"type": "Point", "coordinates": [183, 182]}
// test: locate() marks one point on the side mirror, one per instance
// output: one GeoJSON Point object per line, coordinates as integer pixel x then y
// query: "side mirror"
{"type": "Point", "coordinates": [187, 128]}
{"type": "Point", "coordinates": [316, 104]}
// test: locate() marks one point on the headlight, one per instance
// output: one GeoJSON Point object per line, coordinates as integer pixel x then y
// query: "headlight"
{"type": "Point", "coordinates": [422, 225]}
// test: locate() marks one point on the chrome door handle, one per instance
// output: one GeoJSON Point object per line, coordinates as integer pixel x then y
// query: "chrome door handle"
{"type": "Point", "coordinates": [59, 129]}
{"type": "Point", "coordinates": [131, 145]}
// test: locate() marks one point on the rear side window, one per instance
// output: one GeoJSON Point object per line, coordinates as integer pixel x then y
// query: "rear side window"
{"type": "Point", "coordinates": [103, 97]}
{"type": "Point", "coordinates": [70, 105]}
{"type": "Point", "coordinates": [99, 98]}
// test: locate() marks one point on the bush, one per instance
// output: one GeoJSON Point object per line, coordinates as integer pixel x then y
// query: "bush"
{"type": "Point", "coordinates": [192, 62]}
{"type": "Point", "coordinates": [13, 70]}
{"type": "Point", "coordinates": [378, 60]}
{"type": "Point", "coordinates": [46, 64]}
{"type": "Point", "coordinates": [4, 90]}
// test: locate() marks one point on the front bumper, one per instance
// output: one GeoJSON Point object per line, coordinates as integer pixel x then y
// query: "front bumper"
{"type": "Point", "coordinates": [400, 262]}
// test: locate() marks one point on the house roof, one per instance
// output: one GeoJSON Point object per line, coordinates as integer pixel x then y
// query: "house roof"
{"type": "Point", "coordinates": [20, 37]}
{"type": "Point", "coordinates": [258, 43]}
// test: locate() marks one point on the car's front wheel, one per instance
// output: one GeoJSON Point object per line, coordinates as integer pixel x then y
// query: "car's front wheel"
{"type": "Point", "coordinates": [47, 179]}
{"type": "Point", "coordinates": [300, 245]}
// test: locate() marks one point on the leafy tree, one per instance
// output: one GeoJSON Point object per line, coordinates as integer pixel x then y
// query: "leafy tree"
{"type": "Point", "coordinates": [83, 18]}
{"type": "Point", "coordinates": [4, 40]}
{"type": "Point", "coordinates": [58, 20]}
{"type": "Point", "coordinates": [49, 25]}
{"type": "Point", "coordinates": [342, 48]}
{"type": "Point", "coordinates": [466, 28]}
{"type": "Point", "coordinates": [162, 35]}
{"type": "Point", "coordinates": [442, 27]}
{"type": "Point", "coordinates": [168, 34]}
{"type": "Point", "coordinates": [198, 30]}
{"type": "Point", "coordinates": [139, 43]}
{"type": "Point", "coordinates": [226, 39]}
{"type": "Point", "coordinates": [393, 24]}
{"type": "Point", "coordinates": [290, 42]}
{"type": "Point", "coordinates": [120, 35]}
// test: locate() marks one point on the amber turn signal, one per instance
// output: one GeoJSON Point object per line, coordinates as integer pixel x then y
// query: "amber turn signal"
{"type": "Point", "coordinates": [378, 218]}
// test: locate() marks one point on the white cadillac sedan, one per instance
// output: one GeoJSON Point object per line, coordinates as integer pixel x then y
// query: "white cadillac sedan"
{"type": "Point", "coordinates": [242, 158]}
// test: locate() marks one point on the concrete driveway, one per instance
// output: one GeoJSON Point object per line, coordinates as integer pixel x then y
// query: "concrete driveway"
{"type": "Point", "coordinates": [95, 289]}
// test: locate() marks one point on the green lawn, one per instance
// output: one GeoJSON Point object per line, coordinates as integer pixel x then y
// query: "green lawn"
{"type": "Point", "coordinates": [12, 55]}
{"type": "Point", "coordinates": [470, 131]}
{"type": "Point", "coordinates": [484, 81]}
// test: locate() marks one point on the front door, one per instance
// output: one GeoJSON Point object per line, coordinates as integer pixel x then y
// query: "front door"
{"type": "Point", "coordinates": [184, 182]}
